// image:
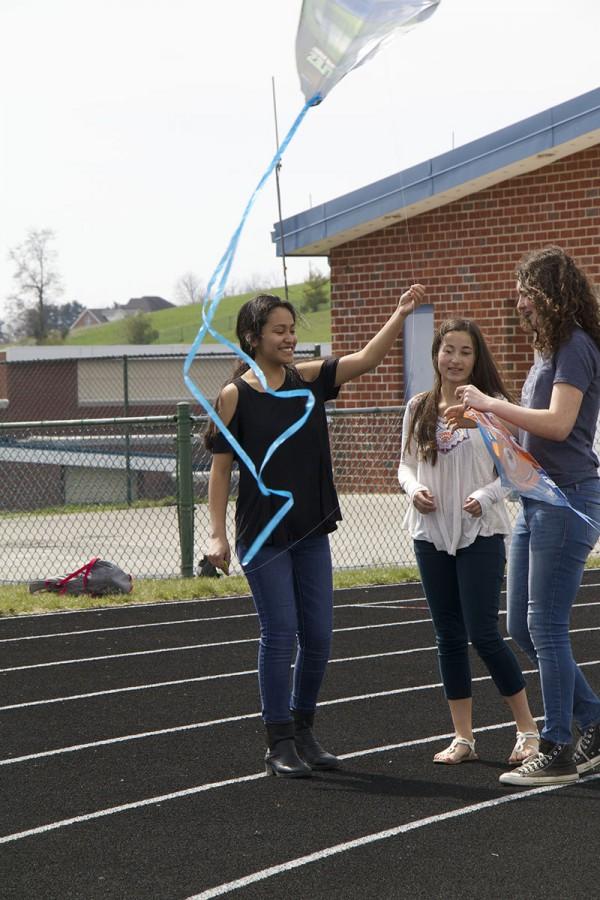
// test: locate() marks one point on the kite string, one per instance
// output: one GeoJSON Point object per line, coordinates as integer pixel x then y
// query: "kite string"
{"type": "Point", "coordinates": [411, 342]}
{"type": "Point", "coordinates": [209, 307]}
{"type": "Point", "coordinates": [393, 117]}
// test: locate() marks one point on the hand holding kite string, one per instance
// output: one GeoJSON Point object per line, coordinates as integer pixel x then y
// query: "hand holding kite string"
{"type": "Point", "coordinates": [334, 36]}
{"type": "Point", "coordinates": [470, 398]}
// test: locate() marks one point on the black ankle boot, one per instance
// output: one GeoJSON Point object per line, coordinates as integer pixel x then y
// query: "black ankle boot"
{"type": "Point", "coordinates": [282, 758]}
{"type": "Point", "coordinates": [308, 748]}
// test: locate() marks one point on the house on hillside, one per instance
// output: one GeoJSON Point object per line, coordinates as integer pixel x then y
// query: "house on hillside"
{"type": "Point", "coordinates": [146, 304]}
{"type": "Point", "coordinates": [113, 313]}
{"type": "Point", "coordinates": [89, 317]}
{"type": "Point", "coordinates": [458, 223]}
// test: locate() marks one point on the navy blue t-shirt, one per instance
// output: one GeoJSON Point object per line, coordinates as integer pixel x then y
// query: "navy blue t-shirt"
{"type": "Point", "coordinates": [302, 464]}
{"type": "Point", "coordinates": [576, 362]}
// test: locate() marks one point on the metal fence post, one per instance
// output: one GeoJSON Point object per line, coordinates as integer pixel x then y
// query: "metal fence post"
{"type": "Point", "coordinates": [185, 489]}
{"type": "Point", "coordinates": [127, 440]}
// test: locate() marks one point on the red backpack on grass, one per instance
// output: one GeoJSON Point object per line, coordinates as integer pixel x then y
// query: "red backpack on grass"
{"type": "Point", "coordinates": [97, 577]}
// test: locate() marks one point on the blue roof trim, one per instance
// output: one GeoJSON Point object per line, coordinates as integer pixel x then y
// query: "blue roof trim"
{"type": "Point", "coordinates": [517, 142]}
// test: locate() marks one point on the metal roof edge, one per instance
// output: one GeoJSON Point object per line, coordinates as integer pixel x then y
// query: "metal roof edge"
{"type": "Point", "coordinates": [523, 146]}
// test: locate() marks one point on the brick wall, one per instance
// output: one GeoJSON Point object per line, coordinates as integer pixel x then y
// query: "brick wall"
{"type": "Point", "coordinates": [465, 253]}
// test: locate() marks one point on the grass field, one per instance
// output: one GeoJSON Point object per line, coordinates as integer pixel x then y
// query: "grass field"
{"type": "Point", "coordinates": [180, 324]}
{"type": "Point", "coordinates": [16, 600]}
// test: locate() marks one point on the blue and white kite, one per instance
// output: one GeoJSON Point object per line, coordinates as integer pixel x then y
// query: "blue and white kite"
{"type": "Point", "coordinates": [334, 37]}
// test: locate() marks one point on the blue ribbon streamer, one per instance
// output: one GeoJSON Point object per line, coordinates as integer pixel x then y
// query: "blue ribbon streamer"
{"type": "Point", "coordinates": [209, 306]}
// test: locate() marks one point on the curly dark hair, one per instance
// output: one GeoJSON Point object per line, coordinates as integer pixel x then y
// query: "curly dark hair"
{"type": "Point", "coordinates": [562, 295]}
{"type": "Point", "coordinates": [484, 376]}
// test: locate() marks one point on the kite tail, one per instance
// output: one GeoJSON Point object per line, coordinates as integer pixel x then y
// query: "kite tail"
{"type": "Point", "coordinates": [211, 301]}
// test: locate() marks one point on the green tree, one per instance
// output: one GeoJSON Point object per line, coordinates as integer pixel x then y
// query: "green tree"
{"type": "Point", "coordinates": [315, 292]}
{"type": "Point", "coordinates": [139, 330]}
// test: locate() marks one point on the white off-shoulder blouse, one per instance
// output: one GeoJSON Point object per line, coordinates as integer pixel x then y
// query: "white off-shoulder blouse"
{"type": "Point", "coordinates": [464, 468]}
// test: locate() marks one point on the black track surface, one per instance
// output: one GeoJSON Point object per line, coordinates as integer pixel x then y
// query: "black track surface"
{"type": "Point", "coordinates": [153, 708]}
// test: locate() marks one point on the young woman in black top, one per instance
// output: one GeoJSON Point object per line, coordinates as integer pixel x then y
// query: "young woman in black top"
{"type": "Point", "coordinates": [290, 576]}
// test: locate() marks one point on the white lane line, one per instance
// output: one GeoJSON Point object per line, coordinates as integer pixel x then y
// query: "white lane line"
{"type": "Point", "coordinates": [168, 622]}
{"type": "Point", "coordinates": [200, 678]}
{"type": "Point", "coordinates": [139, 804]}
{"type": "Point", "coordinates": [85, 659]}
{"type": "Point", "coordinates": [384, 606]}
{"type": "Point", "coordinates": [176, 729]}
{"type": "Point", "coordinates": [367, 839]}
{"type": "Point", "coordinates": [160, 684]}
{"type": "Point", "coordinates": [221, 784]}
{"type": "Point", "coordinates": [198, 789]}
{"type": "Point", "coordinates": [111, 628]}
{"type": "Point", "coordinates": [371, 604]}
{"type": "Point", "coordinates": [123, 607]}
{"type": "Point", "coordinates": [229, 719]}
{"type": "Point", "coordinates": [100, 610]}
{"type": "Point", "coordinates": [185, 647]}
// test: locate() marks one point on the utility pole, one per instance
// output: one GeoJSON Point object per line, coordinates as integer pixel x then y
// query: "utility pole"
{"type": "Point", "coordinates": [277, 168]}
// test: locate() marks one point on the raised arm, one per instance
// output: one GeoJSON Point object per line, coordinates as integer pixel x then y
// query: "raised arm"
{"type": "Point", "coordinates": [554, 423]}
{"type": "Point", "coordinates": [355, 364]}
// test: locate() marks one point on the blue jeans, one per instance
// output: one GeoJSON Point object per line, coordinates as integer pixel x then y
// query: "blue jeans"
{"type": "Point", "coordinates": [463, 594]}
{"type": "Point", "coordinates": [550, 545]}
{"type": "Point", "coordinates": [292, 588]}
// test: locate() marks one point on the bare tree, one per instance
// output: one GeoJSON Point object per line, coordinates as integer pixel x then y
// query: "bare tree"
{"type": "Point", "coordinates": [189, 289]}
{"type": "Point", "coordinates": [256, 283]}
{"type": "Point", "coordinates": [37, 280]}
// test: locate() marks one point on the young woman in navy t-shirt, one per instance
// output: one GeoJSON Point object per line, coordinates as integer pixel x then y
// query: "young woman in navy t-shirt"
{"type": "Point", "coordinates": [550, 544]}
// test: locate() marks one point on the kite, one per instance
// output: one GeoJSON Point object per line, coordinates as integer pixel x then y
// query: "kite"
{"type": "Point", "coordinates": [333, 37]}
{"type": "Point", "coordinates": [336, 36]}
{"type": "Point", "coordinates": [518, 470]}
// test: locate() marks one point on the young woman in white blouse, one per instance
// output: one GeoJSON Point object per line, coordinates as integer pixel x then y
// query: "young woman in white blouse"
{"type": "Point", "coordinates": [458, 522]}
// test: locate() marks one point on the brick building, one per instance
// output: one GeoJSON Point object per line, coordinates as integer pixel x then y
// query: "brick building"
{"type": "Point", "coordinates": [458, 223]}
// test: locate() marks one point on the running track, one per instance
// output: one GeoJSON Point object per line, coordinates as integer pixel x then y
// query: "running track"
{"type": "Point", "coordinates": [130, 765]}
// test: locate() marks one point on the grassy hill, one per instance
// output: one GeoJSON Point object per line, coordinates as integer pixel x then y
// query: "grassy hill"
{"type": "Point", "coordinates": [180, 324]}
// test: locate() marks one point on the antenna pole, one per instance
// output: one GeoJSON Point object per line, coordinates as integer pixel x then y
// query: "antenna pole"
{"type": "Point", "coordinates": [277, 168]}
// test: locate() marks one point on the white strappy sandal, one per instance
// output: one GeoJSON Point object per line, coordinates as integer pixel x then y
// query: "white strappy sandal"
{"type": "Point", "coordinates": [527, 744]}
{"type": "Point", "coordinates": [454, 754]}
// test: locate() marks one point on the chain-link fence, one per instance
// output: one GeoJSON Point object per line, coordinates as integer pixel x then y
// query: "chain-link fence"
{"type": "Point", "coordinates": [105, 490]}
{"type": "Point", "coordinates": [97, 382]}
{"type": "Point", "coordinates": [74, 490]}
{"type": "Point", "coordinates": [365, 447]}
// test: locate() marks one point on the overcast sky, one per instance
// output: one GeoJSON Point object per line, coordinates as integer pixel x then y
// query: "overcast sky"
{"type": "Point", "coordinates": [137, 129]}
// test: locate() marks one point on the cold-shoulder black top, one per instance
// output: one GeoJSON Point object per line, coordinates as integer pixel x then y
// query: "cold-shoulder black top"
{"type": "Point", "coordinates": [302, 464]}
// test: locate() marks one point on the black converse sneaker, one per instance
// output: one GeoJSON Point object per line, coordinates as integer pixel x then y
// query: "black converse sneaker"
{"type": "Point", "coordinates": [553, 765]}
{"type": "Point", "coordinates": [587, 751]}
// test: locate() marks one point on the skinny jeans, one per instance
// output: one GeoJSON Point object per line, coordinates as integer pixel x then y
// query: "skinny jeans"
{"type": "Point", "coordinates": [549, 547]}
{"type": "Point", "coordinates": [463, 595]}
{"type": "Point", "coordinates": [292, 588]}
